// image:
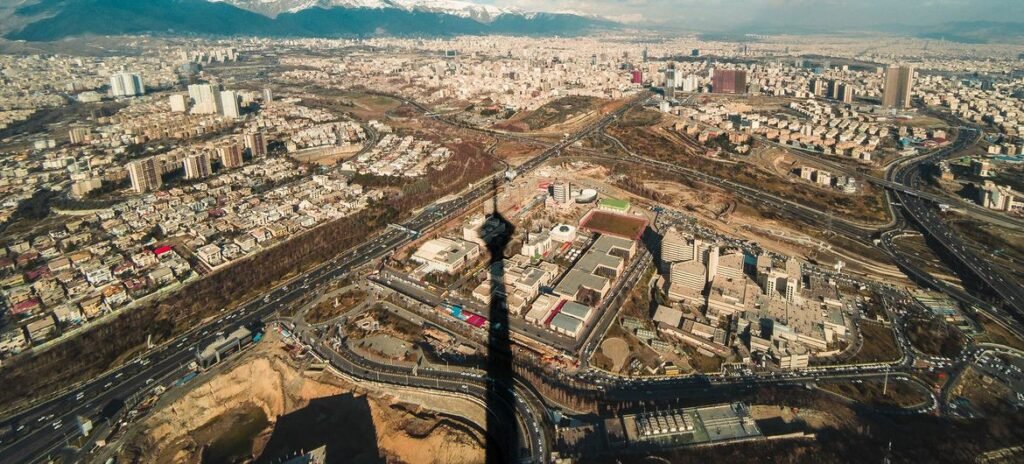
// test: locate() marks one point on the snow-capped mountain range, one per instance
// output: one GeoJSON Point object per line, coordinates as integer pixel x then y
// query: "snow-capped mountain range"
{"type": "Point", "coordinates": [44, 20]}
{"type": "Point", "coordinates": [464, 9]}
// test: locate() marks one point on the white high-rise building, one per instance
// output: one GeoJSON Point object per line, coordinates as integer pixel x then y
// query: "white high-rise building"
{"type": "Point", "coordinates": [712, 263]}
{"type": "Point", "coordinates": [689, 274]}
{"type": "Point", "coordinates": [676, 247]}
{"type": "Point", "coordinates": [125, 84]}
{"type": "Point", "coordinates": [268, 96]}
{"type": "Point", "coordinates": [229, 104]}
{"type": "Point", "coordinates": [689, 83]}
{"type": "Point", "coordinates": [205, 98]}
{"type": "Point", "coordinates": [179, 104]}
{"type": "Point", "coordinates": [562, 192]}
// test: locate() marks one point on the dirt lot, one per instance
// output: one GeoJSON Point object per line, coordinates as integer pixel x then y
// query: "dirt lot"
{"type": "Point", "coordinates": [641, 132]}
{"type": "Point", "coordinates": [813, 419]}
{"type": "Point", "coordinates": [326, 156]}
{"type": "Point", "coordinates": [361, 106]}
{"type": "Point", "coordinates": [935, 337]}
{"type": "Point", "coordinates": [333, 307]}
{"type": "Point", "coordinates": [616, 350]}
{"type": "Point", "coordinates": [903, 394]}
{"type": "Point", "coordinates": [879, 344]}
{"type": "Point", "coordinates": [994, 333]}
{"type": "Point", "coordinates": [985, 394]}
{"type": "Point", "coordinates": [266, 394]}
{"type": "Point", "coordinates": [514, 152]}
{"type": "Point", "coordinates": [615, 224]}
{"type": "Point", "coordinates": [566, 111]}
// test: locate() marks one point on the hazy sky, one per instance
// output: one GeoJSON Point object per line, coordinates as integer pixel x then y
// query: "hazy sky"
{"type": "Point", "coordinates": [841, 13]}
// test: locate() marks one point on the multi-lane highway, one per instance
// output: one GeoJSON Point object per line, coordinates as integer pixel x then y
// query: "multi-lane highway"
{"type": "Point", "coordinates": [531, 415]}
{"type": "Point", "coordinates": [45, 427]}
{"type": "Point", "coordinates": [924, 215]}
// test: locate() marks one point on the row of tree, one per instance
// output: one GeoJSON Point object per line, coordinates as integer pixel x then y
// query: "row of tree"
{"type": "Point", "coordinates": [103, 346]}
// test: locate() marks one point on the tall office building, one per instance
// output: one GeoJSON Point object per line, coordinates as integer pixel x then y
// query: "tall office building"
{"type": "Point", "coordinates": [179, 104]}
{"type": "Point", "coordinates": [268, 95]}
{"type": "Point", "coordinates": [676, 247]}
{"type": "Point", "coordinates": [125, 84]}
{"type": "Point", "coordinates": [205, 98]}
{"type": "Point", "coordinates": [688, 274]}
{"type": "Point", "coordinates": [256, 144]}
{"type": "Point", "coordinates": [670, 77]}
{"type": "Point", "coordinates": [817, 87]}
{"type": "Point", "coordinates": [690, 83]}
{"type": "Point", "coordinates": [197, 166]}
{"type": "Point", "coordinates": [636, 76]}
{"type": "Point", "coordinates": [145, 175]}
{"type": "Point", "coordinates": [732, 81]}
{"type": "Point", "coordinates": [229, 104]}
{"type": "Point", "coordinates": [712, 262]}
{"type": "Point", "coordinates": [833, 89]}
{"type": "Point", "coordinates": [899, 80]}
{"type": "Point", "coordinates": [77, 135]}
{"type": "Point", "coordinates": [561, 192]}
{"type": "Point", "coordinates": [845, 93]}
{"type": "Point", "coordinates": [230, 155]}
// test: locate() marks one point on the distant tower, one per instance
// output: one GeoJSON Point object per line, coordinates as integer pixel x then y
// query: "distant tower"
{"type": "Point", "coordinates": [229, 104]}
{"type": "Point", "coordinates": [846, 93]}
{"type": "Point", "coordinates": [179, 104]}
{"type": "Point", "coordinates": [197, 166]}
{"type": "Point", "coordinates": [562, 192]}
{"type": "Point", "coordinates": [145, 175]}
{"type": "Point", "coordinates": [126, 85]}
{"type": "Point", "coordinates": [230, 155]}
{"type": "Point", "coordinates": [899, 80]}
{"type": "Point", "coordinates": [205, 98]}
{"type": "Point", "coordinates": [256, 144]}
{"type": "Point", "coordinates": [636, 76]}
{"type": "Point", "coordinates": [732, 81]}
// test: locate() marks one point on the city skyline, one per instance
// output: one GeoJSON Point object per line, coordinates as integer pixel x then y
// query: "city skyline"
{"type": "Point", "coordinates": [253, 235]}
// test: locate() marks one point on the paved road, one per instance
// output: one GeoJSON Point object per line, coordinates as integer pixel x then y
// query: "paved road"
{"type": "Point", "coordinates": [530, 416]}
{"type": "Point", "coordinates": [924, 215]}
{"type": "Point", "coordinates": [39, 438]}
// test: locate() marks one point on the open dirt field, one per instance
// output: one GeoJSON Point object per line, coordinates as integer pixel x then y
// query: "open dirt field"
{"type": "Point", "coordinates": [261, 404]}
{"type": "Point", "coordinates": [617, 350]}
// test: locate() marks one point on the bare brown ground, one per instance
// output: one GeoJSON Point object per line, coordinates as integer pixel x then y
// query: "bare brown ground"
{"type": "Point", "coordinates": [269, 379]}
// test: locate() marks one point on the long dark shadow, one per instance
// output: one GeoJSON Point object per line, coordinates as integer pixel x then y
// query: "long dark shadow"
{"type": "Point", "coordinates": [502, 433]}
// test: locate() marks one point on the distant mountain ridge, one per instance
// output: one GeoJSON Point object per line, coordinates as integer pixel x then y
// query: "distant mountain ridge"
{"type": "Point", "coordinates": [464, 9]}
{"type": "Point", "coordinates": [976, 32]}
{"type": "Point", "coordinates": [47, 20]}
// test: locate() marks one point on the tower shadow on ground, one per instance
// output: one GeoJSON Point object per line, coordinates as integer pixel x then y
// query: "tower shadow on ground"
{"type": "Point", "coordinates": [502, 433]}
